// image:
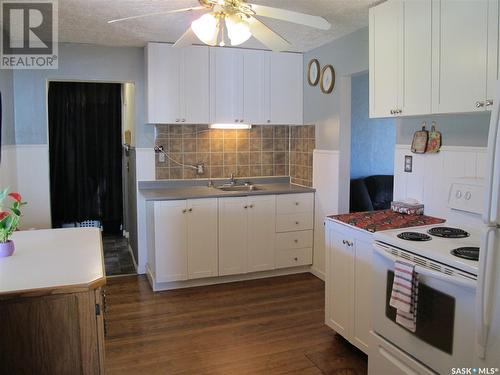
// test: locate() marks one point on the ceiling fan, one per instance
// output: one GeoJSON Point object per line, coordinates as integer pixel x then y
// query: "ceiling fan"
{"type": "Point", "coordinates": [238, 18]}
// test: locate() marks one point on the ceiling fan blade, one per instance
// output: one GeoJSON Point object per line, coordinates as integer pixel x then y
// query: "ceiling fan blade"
{"type": "Point", "coordinates": [267, 36]}
{"type": "Point", "coordinates": [186, 39]}
{"type": "Point", "coordinates": [290, 16]}
{"type": "Point", "coordinates": [158, 13]}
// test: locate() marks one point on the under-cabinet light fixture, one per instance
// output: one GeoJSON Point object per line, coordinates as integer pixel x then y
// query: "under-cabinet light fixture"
{"type": "Point", "coordinates": [230, 126]}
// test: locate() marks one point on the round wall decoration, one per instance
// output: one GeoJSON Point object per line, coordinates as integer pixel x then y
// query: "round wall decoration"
{"type": "Point", "coordinates": [313, 72]}
{"type": "Point", "coordinates": [327, 79]}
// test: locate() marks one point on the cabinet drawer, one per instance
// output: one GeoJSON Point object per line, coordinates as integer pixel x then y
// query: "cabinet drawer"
{"type": "Point", "coordinates": [294, 240]}
{"type": "Point", "coordinates": [294, 203]}
{"type": "Point", "coordinates": [294, 222]}
{"type": "Point", "coordinates": [293, 257]}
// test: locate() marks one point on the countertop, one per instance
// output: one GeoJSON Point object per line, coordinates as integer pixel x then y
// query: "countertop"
{"type": "Point", "coordinates": [47, 260]}
{"type": "Point", "coordinates": [152, 191]}
{"type": "Point", "coordinates": [375, 221]}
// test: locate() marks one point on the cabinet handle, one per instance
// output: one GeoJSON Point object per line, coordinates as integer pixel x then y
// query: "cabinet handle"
{"type": "Point", "coordinates": [245, 207]}
{"type": "Point", "coordinates": [399, 111]}
{"type": "Point", "coordinates": [190, 210]}
{"type": "Point", "coordinates": [479, 104]}
{"type": "Point", "coordinates": [184, 211]}
{"type": "Point", "coordinates": [489, 102]}
{"type": "Point", "coordinates": [183, 120]}
{"type": "Point", "coordinates": [392, 111]}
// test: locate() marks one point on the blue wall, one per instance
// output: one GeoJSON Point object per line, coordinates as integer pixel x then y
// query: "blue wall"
{"type": "Point", "coordinates": [372, 140]}
{"type": "Point", "coordinates": [6, 88]}
{"type": "Point", "coordinates": [78, 62]}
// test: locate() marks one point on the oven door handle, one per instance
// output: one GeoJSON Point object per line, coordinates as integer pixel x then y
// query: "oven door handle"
{"type": "Point", "coordinates": [458, 280]}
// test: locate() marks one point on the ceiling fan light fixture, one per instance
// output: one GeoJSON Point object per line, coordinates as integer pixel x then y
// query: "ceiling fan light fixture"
{"type": "Point", "coordinates": [206, 28]}
{"type": "Point", "coordinates": [238, 30]}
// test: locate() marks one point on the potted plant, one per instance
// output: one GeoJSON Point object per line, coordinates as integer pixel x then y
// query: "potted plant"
{"type": "Point", "coordinates": [9, 220]}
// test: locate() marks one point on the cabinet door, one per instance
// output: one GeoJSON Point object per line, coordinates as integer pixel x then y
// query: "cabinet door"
{"type": "Point", "coordinates": [416, 58]}
{"type": "Point", "coordinates": [339, 282]}
{"type": "Point", "coordinates": [256, 86]}
{"type": "Point", "coordinates": [163, 83]}
{"type": "Point", "coordinates": [286, 88]}
{"type": "Point", "coordinates": [460, 50]}
{"type": "Point", "coordinates": [261, 233]}
{"type": "Point", "coordinates": [233, 236]}
{"type": "Point", "coordinates": [195, 93]}
{"type": "Point", "coordinates": [493, 50]}
{"type": "Point", "coordinates": [170, 223]}
{"type": "Point", "coordinates": [226, 85]}
{"type": "Point", "coordinates": [362, 294]}
{"type": "Point", "coordinates": [384, 51]}
{"type": "Point", "coordinates": [202, 238]}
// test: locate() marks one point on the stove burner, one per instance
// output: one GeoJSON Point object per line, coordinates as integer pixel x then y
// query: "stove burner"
{"type": "Point", "coordinates": [470, 253]}
{"type": "Point", "coordinates": [414, 236]}
{"type": "Point", "coordinates": [447, 232]}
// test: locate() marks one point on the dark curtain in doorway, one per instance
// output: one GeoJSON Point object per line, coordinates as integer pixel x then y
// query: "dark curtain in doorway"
{"type": "Point", "coordinates": [85, 153]}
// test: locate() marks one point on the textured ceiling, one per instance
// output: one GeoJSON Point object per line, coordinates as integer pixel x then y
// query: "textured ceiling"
{"type": "Point", "coordinates": [85, 21]}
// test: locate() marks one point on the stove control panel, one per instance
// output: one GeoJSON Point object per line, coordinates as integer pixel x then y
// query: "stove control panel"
{"type": "Point", "coordinates": [466, 197]}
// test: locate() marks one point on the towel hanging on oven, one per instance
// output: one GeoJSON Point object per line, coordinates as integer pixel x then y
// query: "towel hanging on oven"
{"type": "Point", "coordinates": [404, 296]}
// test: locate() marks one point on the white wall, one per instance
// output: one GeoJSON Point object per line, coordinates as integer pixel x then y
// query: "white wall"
{"type": "Point", "coordinates": [432, 174]}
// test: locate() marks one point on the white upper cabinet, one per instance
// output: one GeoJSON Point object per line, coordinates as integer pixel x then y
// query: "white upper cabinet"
{"type": "Point", "coordinates": [416, 44]}
{"type": "Point", "coordinates": [433, 56]}
{"type": "Point", "coordinates": [194, 88]}
{"type": "Point", "coordinates": [385, 33]}
{"type": "Point", "coordinates": [177, 81]}
{"type": "Point", "coordinates": [256, 86]}
{"type": "Point", "coordinates": [286, 93]}
{"type": "Point", "coordinates": [226, 77]}
{"type": "Point", "coordinates": [163, 79]}
{"type": "Point", "coordinates": [460, 55]}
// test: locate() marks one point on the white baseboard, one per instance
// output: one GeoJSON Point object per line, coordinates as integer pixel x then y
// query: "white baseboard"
{"type": "Point", "coordinates": [222, 279]}
{"type": "Point", "coordinates": [133, 258]}
{"type": "Point", "coordinates": [319, 274]}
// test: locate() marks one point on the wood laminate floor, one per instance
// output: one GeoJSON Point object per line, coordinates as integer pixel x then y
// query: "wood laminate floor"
{"type": "Point", "coordinates": [267, 326]}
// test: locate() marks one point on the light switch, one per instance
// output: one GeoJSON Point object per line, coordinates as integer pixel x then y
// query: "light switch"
{"type": "Point", "coordinates": [408, 163]}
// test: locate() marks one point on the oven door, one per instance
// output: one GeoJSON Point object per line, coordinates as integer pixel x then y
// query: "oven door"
{"type": "Point", "coordinates": [444, 338]}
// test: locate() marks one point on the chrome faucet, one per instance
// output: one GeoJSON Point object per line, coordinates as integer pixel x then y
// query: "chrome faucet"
{"type": "Point", "coordinates": [232, 180]}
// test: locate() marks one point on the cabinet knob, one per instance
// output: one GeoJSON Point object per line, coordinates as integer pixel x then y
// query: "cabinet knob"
{"type": "Point", "coordinates": [296, 203]}
{"type": "Point", "coordinates": [177, 120]}
{"type": "Point", "coordinates": [296, 241]}
{"type": "Point", "coordinates": [190, 210]}
{"type": "Point", "coordinates": [489, 102]}
{"type": "Point", "coordinates": [251, 206]}
{"type": "Point", "coordinates": [184, 211]}
{"type": "Point", "coordinates": [245, 207]}
{"type": "Point", "coordinates": [343, 242]}
{"type": "Point", "coordinates": [392, 111]}
{"type": "Point", "coordinates": [183, 120]}
{"type": "Point", "coordinates": [296, 259]}
{"type": "Point", "coordinates": [479, 104]}
{"type": "Point", "coordinates": [236, 120]}
{"type": "Point", "coordinates": [399, 111]}
{"type": "Point", "coordinates": [296, 223]}
{"type": "Point", "coordinates": [268, 121]}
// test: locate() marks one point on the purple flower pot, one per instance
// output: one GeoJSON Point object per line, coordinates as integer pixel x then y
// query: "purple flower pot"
{"type": "Point", "coordinates": [6, 249]}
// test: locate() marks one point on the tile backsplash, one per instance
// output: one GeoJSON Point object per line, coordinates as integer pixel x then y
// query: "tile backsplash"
{"type": "Point", "coordinates": [260, 151]}
{"type": "Point", "coordinates": [302, 144]}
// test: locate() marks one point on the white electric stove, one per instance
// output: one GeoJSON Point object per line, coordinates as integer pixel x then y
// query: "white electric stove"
{"type": "Point", "coordinates": [445, 258]}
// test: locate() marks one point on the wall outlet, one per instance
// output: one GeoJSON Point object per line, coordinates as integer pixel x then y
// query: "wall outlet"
{"type": "Point", "coordinates": [408, 163]}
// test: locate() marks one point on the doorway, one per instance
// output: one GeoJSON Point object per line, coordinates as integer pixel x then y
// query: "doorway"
{"type": "Point", "coordinates": [373, 144]}
{"type": "Point", "coordinates": [86, 159]}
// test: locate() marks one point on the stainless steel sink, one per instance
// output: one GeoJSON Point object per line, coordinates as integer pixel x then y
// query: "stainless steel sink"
{"type": "Point", "coordinates": [239, 188]}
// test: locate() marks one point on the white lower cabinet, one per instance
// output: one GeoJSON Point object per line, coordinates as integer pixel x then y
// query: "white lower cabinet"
{"type": "Point", "coordinates": [246, 234]}
{"type": "Point", "coordinates": [185, 239]}
{"type": "Point", "coordinates": [211, 237]}
{"type": "Point", "coordinates": [348, 283]}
